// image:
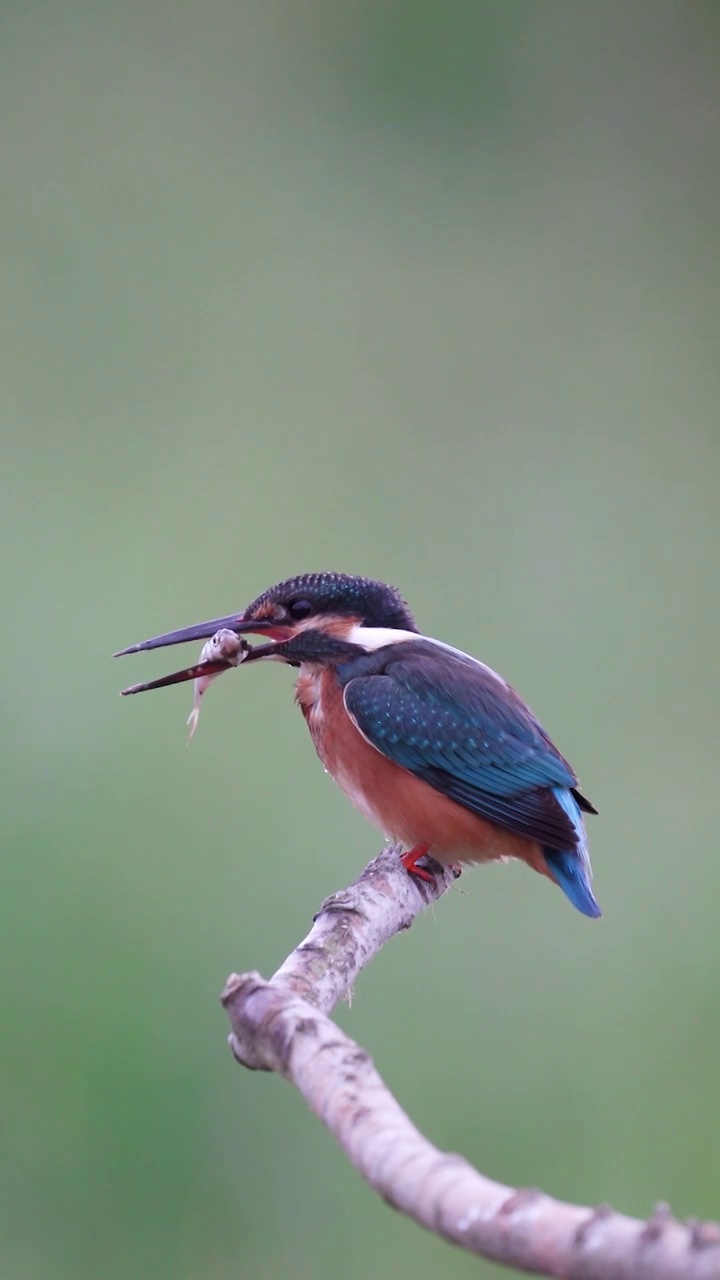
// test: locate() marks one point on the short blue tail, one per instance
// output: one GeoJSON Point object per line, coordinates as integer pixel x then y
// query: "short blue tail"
{"type": "Point", "coordinates": [573, 876]}
{"type": "Point", "coordinates": [571, 868]}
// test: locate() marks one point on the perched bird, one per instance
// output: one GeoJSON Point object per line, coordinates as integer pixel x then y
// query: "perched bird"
{"type": "Point", "coordinates": [434, 747]}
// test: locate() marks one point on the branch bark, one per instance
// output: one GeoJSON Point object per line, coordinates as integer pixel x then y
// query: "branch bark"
{"type": "Point", "coordinates": [282, 1025]}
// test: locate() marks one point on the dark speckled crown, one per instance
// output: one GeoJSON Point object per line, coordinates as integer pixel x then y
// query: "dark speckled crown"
{"type": "Point", "coordinates": [377, 604]}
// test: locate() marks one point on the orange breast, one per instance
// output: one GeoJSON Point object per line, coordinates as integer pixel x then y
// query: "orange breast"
{"type": "Point", "coordinates": [404, 807]}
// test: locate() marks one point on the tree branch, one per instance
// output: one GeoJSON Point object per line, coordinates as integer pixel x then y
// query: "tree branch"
{"type": "Point", "coordinates": [282, 1025]}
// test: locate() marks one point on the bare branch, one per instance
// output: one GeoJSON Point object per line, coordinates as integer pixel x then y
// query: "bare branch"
{"type": "Point", "coordinates": [282, 1025]}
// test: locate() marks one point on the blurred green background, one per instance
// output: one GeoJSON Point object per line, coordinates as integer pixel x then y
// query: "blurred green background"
{"type": "Point", "coordinates": [426, 291]}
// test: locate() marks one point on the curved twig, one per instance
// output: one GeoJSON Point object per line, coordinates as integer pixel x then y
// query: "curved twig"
{"type": "Point", "coordinates": [282, 1025]}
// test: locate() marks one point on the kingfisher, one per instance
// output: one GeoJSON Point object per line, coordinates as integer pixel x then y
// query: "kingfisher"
{"type": "Point", "coordinates": [430, 744]}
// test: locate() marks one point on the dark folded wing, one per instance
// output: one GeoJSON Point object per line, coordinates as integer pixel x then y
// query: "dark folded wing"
{"type": "Point", "coordinates": [452, 722]}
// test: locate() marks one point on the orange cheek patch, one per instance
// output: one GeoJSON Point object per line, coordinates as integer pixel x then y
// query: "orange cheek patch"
{"type": "Point", "coordinates": [278, 633]}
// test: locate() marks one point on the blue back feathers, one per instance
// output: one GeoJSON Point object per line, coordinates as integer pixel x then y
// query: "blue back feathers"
{"type": "Point", "coordinates": [451, 721]}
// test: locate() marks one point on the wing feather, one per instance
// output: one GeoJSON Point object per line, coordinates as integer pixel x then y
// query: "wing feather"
{"type": "Point", "coordinates": [454, 723]}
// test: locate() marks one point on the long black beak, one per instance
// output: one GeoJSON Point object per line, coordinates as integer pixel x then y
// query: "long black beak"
{"type": "Point", "coordinates": [200, 669]}
{"type": "Point", "coordinates": [201, 631]}
{"type": "Point", "coordinates": [178, 677]}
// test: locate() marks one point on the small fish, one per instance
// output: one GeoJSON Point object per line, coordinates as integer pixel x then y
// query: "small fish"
{"type": "Point", "coordinates": [226, 647]}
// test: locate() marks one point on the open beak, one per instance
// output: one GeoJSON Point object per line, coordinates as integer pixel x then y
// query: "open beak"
{"type": "Point", "coordinates": [202, 631]}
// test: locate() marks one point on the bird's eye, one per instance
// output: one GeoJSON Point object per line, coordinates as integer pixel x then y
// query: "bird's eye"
{"type": "Point", "coordinates": [299, 609]}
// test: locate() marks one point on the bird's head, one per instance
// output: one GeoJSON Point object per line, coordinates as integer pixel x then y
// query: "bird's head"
{"type": "Point", "coordinates": [315, 618]}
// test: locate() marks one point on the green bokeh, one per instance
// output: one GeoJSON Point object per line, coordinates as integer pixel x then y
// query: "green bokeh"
{"type": "Point", "coordinates": [422, 290]}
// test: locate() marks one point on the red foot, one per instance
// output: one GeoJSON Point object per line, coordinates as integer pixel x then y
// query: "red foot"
{"type": "Point", "coordinates": [410, 861]}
